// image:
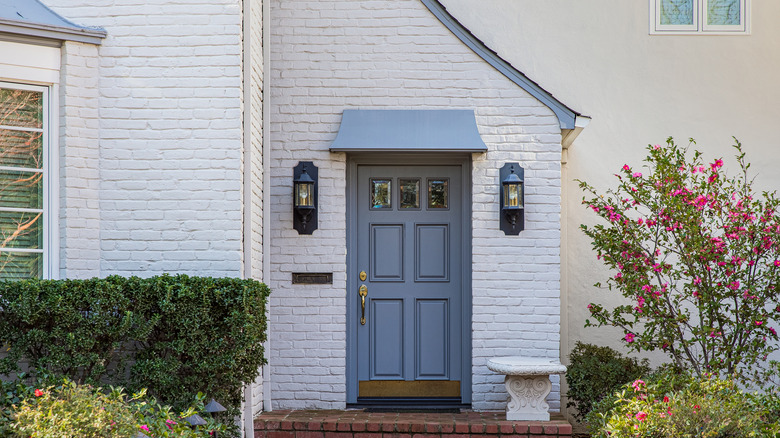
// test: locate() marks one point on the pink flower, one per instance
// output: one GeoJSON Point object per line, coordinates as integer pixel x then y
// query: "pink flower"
{"type": "Point", "coordinates": [638, 384]}
{"type": "Point", "coordinates": [637, 175]}
{"type": "Point", "coordinates": [641, 415]}
{"type": "Point", "coordinates": [656, 147]}
{"type": "Point", "coordinates": [716, 165]}
{"type": "Point", "coordinates": [759, 322]}
{"type": "Point", "coordinates": [629, 337]}
{"type": "Point", "coordinates": [144, 427]}
{"type": "Point", "coordinates": [777, 262]}
{"type": "Point", "coordinates": [626, 168]}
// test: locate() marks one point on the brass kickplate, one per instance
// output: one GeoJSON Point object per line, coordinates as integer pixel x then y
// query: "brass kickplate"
{"type": "Point", "coordinates": [406, 388]}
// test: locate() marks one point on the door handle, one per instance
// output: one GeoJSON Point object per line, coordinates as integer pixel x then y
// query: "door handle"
{"type": "Point", "coordinates": [363, 291]}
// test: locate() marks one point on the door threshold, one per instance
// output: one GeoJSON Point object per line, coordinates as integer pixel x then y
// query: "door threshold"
{"type": "Point", "coordinates": [410, 404]}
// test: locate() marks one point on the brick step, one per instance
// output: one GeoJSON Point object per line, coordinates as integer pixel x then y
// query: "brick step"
{"type": "Point", "coordinates": [361, 424]}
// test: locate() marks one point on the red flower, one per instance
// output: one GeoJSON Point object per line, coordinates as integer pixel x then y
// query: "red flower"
{"type": "Point", "coordinates": [38, 393]}
{"type": "Point", "coordinates": [666, 399]}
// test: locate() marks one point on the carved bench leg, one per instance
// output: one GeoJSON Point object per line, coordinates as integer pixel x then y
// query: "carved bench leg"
{"type": "Point", "coordinates": [527, 396]}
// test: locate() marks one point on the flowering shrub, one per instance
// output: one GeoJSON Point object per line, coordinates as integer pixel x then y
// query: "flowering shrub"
{"type": "Point", "coordinates": [11, 393]}
{"type": "Point", "coordinates": [695, 253]}
{"type": "Point", "coordinates": [74, 411]}
{"type": "Point", "coordinates": [83, 411]}
{"type": "Point", "coordinates": [704, 407]}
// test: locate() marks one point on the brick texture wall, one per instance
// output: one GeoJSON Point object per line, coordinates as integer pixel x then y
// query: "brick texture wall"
{"type": "Point", "coordinates": [167, 91]}
{"type": "Point", "coordinates": [255, 130]}
{"type": "Point", "coordinates": [79, 161]}
{"type": "Point", "coordinates": [329, 55]}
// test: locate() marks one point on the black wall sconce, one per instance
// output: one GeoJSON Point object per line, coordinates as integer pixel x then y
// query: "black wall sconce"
{"type": "Point", "coordinates": [305, 197]}
{"type": "Point", "coordinates": [512, 199]}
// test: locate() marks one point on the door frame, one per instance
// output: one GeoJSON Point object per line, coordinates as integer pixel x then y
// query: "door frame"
{"type": "Point", "coordinates": [422, 159]}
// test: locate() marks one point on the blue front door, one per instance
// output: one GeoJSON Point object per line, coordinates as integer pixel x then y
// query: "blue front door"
{"type": "Point", "coordinates": [408, 268]}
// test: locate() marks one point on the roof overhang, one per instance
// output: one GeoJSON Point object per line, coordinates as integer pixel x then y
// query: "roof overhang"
{"type": "Point", "coordinates": [408, 131]}
{"type": "Point", "coordinates": [32, 19]}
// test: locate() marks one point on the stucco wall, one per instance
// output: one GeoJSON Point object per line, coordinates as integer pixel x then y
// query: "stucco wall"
{"type": "Point", "coordinates": [169, 151]}
{"type": "Point", "coordinates": [639, 89]}
{"type": "Point", "coordinates": [331, 55]}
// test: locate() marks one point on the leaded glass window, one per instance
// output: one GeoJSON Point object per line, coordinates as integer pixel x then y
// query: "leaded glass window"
{"type": "Point", "coordinates": [699, 16]}
{"type": "Point", "coordinates": [676, 12]}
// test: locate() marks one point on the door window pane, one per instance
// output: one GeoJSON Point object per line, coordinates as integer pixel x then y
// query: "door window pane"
{"type": "Point", "coordinates": [676, 12]}
{"type": "Point", "coordinates": [410, 192]}
{"type": "Point", "coordinates": [438, 193]}
{"type": "Point", "coordinates": [380, 193]}
{"type": "Point", "coordinates": [723, 12]}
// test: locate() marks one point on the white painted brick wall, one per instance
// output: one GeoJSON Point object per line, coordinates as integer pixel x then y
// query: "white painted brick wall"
{"type": "Point", "coordinates": [329, 55]}
{"type": "Point", "coordinates": [169, 166]}
{"type": "Point", "coordinates": [79, 164]}
{"type": "Point", "coordinates": [255, 130]}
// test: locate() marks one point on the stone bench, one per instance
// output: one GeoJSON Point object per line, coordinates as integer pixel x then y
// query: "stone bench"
{"type": "Point", "coordinates": [528, 384]}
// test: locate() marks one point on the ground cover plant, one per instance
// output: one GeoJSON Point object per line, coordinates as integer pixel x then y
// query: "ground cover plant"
{"type": "Point", "coordinates": [694, 253]}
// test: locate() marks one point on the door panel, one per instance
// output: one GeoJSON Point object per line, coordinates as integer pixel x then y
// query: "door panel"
{"type": "Point", "coordinates": [432, 252]}
{"type": "Point", "coordinates": [409, 242]}
{"type": "Point", "coordinates": [431, 339]}
{"type": "Point", "coordinates": [387, 252]}
{"type": "Point", "coordinates": [387, 333]}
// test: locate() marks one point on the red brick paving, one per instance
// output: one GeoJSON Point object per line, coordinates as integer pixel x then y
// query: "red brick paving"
{"type": "Point", "coordinates": [359, 424]}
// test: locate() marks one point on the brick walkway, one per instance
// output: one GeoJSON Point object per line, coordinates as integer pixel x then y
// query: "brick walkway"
{"type": "Point", "coordinates": [360, 424]}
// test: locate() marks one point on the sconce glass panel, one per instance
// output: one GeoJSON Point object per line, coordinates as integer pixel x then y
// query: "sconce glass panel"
{"type": "Point", "coordinates": [303, 195]}
{"type": "Point", "coordinates": [381, 190]}
{"type": "Point", "coordinates": [438, 193]}
{"type": "Point", "coordinates": [410, 192]}
{"type": "Point", "coordinates": [513, 193]}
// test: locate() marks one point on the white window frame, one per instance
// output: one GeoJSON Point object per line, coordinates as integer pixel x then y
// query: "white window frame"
{"type": "Point", "coordinates": [50, 172]}
{"type": "Point", "coordinates": [699, 26]}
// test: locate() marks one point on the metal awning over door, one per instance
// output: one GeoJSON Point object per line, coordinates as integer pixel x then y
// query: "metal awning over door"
{"type": "Point", "coordinates": [408, 131]}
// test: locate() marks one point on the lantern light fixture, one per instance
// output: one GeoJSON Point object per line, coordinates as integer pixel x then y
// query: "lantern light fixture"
{"type": "Point", "coordinates": [512, 219]}
{"type": "Point", "coordinates": [305, 197]}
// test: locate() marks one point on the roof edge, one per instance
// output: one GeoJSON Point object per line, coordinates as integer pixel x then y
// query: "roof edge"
{"type": "Point", "coordinates": [566, 116]}
{"type": "Point", "coordinates": [84, 35]}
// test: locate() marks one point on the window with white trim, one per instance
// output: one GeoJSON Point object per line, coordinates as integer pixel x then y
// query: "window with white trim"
{"type": "Point", "coordinates": [679, 17]}
{"type": "Point", "coordinates": [25, 223]}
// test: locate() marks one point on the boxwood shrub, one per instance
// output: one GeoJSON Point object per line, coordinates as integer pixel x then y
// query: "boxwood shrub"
{"type": "Point", "coordinates": [174, 335]}
{"type": "Point", "coordinates": [596, 372]}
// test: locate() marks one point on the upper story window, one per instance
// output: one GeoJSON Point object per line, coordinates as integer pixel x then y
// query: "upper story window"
{"type": "Point", "coordinates": [24, 177]}
{"type": "Point", "coordinates": [681, 17]}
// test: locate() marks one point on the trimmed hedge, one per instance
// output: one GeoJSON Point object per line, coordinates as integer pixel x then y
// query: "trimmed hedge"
{"type": "Point", "coordinates": [174, 335]}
